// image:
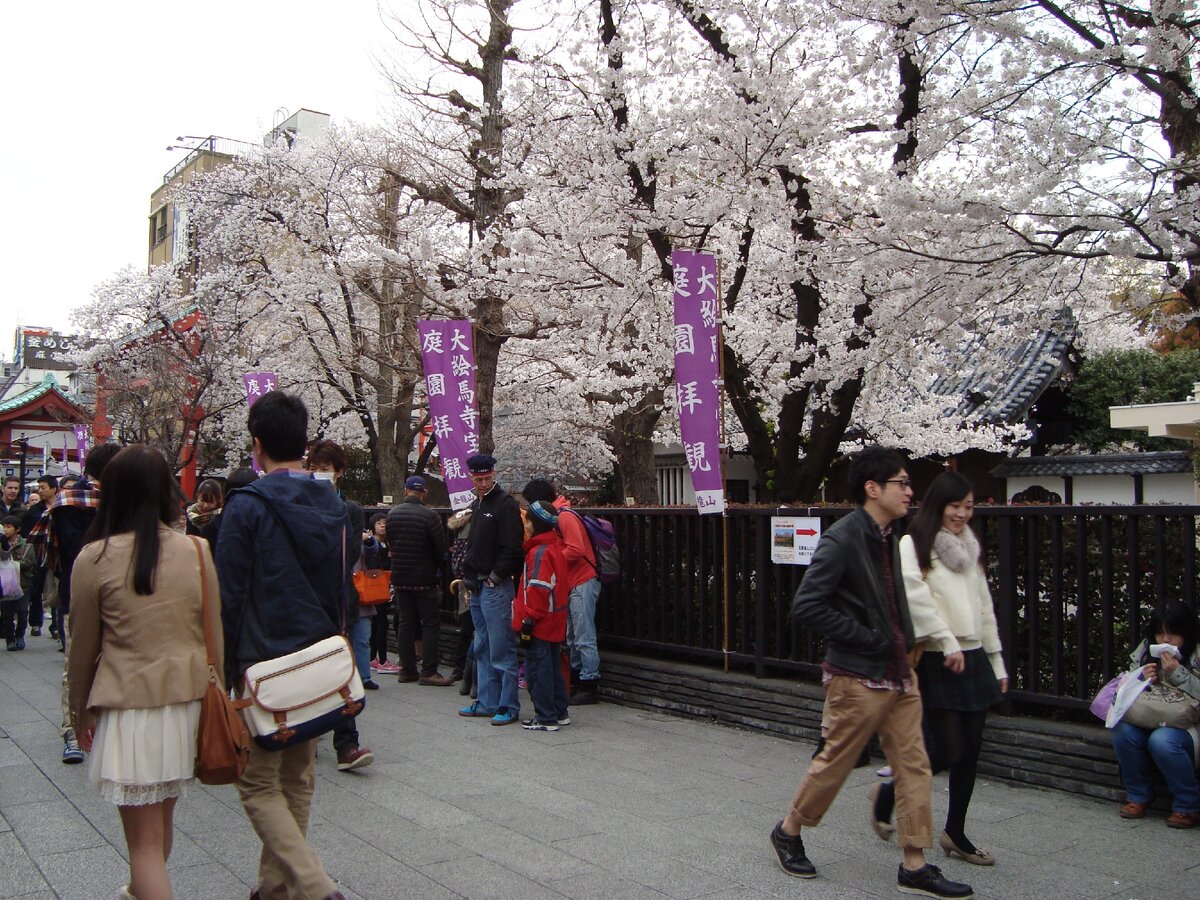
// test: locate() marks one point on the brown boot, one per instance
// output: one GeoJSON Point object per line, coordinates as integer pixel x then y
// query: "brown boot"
{"type": "Point", "coordinates": [436, 680]}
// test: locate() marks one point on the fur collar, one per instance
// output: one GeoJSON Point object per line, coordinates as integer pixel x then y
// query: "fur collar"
{"type": "Point", "coordinates": [957, 551]}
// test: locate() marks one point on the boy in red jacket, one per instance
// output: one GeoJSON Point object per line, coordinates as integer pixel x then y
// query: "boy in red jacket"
{"type": "Point", "coordinates": [540, 615]}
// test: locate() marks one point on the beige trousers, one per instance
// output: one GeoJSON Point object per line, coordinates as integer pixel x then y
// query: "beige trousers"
{"type": "Point", "coordinates": [854, 712]}
{"type": "Point", "coordinates": [66, 689]}
{"type": "Point", "coordinates": [276, 791]}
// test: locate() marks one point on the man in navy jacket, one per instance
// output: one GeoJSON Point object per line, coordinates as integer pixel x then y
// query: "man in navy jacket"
{"type": "Point", "coordinates": [283, 558]}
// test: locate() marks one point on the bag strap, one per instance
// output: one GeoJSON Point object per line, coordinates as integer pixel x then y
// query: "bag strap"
{"type": "Point", "coordinates": [210, 641]}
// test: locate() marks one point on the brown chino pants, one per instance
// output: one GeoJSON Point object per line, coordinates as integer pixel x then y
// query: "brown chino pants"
{"type": "Point", "coordinates": [854, 712]}
{"type": "Point", "coordinates": [276, 791]}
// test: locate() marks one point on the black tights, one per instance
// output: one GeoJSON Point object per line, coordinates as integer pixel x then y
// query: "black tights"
{"type": "Point", "coordinates": [953, 740]}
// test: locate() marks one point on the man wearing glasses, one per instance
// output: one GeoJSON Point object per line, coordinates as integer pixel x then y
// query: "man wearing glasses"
{"type": "Point", "coordinates": [853, 595]}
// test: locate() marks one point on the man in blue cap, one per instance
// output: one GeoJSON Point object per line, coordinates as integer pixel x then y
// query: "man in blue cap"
{"type": "Point", "coordinates": [493, 560]}
{"type": "Point", "coordinates": [417, 545]}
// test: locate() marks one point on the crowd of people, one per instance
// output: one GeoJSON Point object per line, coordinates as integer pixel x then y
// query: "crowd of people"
{"type": "Point", "coordinates": [287, 561]}
{"type": "Point", "coordinates": [913, 653]}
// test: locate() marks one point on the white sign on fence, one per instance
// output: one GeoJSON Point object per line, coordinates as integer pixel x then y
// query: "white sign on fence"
{"type": "Point", "coordinates": [793, 539]}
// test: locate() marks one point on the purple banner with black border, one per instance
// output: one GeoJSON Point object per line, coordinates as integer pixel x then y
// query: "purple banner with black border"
{"type": "Point", "coordinates": [448, 354]}
{"type": "Point", "coordinates": [697, 374]}
{"type": "Point", "coordinates": [257, 384]}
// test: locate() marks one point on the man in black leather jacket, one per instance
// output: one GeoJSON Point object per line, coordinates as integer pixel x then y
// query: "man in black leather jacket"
{"type": "Point", "coordinates": [853, 596]}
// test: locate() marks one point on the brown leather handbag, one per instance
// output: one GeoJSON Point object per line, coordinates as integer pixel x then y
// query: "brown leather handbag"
{"type": "Point", "coordinates": [223, 743]}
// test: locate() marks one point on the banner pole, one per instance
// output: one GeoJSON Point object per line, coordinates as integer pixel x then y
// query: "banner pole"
{"type": "Point", "coordinates": [724, 457]}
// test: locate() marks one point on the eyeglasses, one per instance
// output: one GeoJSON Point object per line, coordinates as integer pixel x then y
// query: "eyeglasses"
{"type": "Point", "coordinates": [903, 482]}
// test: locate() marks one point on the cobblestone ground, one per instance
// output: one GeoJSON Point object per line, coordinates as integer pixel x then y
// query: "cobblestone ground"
{"type": "Point", "coordinates": [621, 803]}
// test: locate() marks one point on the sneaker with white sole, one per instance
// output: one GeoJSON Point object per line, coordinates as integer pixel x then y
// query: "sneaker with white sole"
{"type": "Point", "coordinates": [72, 753]}
{"type": "Point", "coordinates": [358, 758]}
{"type": "Point", "coordinates": [535, 725]}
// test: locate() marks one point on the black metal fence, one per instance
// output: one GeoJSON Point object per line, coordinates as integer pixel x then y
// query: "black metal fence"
{"type": "Point", "coordinates": [1072, 586]}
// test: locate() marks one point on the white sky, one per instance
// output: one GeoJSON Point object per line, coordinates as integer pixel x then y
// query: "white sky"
{"type": "Point", "coordinates": [94, 92]}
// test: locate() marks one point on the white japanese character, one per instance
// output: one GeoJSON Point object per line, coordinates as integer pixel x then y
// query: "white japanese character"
{"type": "Point", "coordinates": [707, 283]}
{"type": "Point", "coordinates": [681, 281]}
{"type": "Point", "coordinates": [469, 416]}
{"type": "Point", "coordinates": [458, 341]}
{"type": "Point", "coordinates": [432, 342]}
{"type": "Point", "coordinates": [465, 394]}
{"type": "Point", "coordinates": [459, 366]}
{"type": "Point", "coordinates": [268, 385]}
{"type": "Point", "coordinates": [452, 468]}
{"type": "Point", "coordinates": [708, 312]}
{"type": "Point", "coordinates": [436, 384]}
{"type": "Point", "coordinates": [697, 457]}
{"type": "Point", "coordinates": [33, 341]}
{"type": "Point", "coordinates": [685, 339]}
{"type": "Point", "coordinates": [441, 426]}
{"type": "Point", "coordinates": [252, 387]}
{"type": "Point", "coordinates": [687, 397]}
{"type": "Point", "coordinates": [472, 441]}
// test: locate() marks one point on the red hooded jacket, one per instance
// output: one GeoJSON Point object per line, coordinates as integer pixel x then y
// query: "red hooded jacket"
{"type": "Point", "coordinates": [543, 594]}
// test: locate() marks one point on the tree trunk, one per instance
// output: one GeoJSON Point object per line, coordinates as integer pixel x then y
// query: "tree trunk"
{"type": "Point", "coordinates": [631, 438]}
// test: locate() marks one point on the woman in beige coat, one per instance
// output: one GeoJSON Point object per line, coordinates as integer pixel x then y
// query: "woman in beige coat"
{"type": "Point", "coordinates": [961, 673]}
{"type": "Point", "coordinates": [137, 666]}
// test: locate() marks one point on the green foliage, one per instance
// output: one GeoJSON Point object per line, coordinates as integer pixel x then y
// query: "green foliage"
{"type": "Point", "coordinates": [1122, 378]}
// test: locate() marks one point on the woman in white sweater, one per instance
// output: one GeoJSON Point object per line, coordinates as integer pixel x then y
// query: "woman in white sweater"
{"type": "Point", "coordinates": [961, 673]}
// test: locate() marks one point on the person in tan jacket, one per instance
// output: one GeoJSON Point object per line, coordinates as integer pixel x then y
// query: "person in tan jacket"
{"type": "Point", "coordinates": [137, 662]}
{"type": "Point", "coordinates": [961, 672]}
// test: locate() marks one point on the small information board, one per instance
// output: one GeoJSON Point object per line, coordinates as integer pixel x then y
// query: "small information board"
{"type": "Point", "coordinates": [793, 539]}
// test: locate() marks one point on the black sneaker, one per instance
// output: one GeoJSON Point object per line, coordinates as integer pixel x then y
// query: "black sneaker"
{"type": "Point", "coordinates": [928, 881]}
{"type": "Point", "coordinates": [35, 632]}
{"type": "Point", "coordinates": [789, 850]}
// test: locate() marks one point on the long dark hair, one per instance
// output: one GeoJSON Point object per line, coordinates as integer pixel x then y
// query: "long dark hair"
{"type": "Point", "coordinates": [947, 488]}
{"type": "Point", "coordinates": [138, 494]}
{"type": "Point", "coordinates": [1175, 617]}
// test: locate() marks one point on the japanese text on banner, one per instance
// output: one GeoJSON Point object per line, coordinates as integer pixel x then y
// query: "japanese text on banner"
{"type": "Point", "coordinates": [697, 374]}
{"type": "Point", "coordinates": [448, 355]}
{"type": "Point", "coordinates": [258, 384]}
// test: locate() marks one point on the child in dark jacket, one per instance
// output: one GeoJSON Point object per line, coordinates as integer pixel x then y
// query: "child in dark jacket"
{"type": "Point", "coordinates": [540, 615]}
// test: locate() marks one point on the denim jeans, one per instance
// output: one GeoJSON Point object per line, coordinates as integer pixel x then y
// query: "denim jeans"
{"type": "Point", "coordinates": [495, 648]}
{"type": "Point", "coordinates": [1171, 751]}
{"type": "Point", "coordinates": [547, 689]}
{"type": "Point", "coordinates": [581, 630]}
{"type": "Point", "coordinates": [360, 643]}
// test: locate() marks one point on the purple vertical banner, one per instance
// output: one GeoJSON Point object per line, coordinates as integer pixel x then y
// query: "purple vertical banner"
{"type": "Point", "coordinates": [448, 354]}
{"type": "Point", "coordinates": [257, 384]}
{"type": "Point", "coordinates": [697, 374]}
{"type": "Point", "coordinates": [81, 448]}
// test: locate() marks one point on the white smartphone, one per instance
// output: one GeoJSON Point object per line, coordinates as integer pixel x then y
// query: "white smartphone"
{"type": "Point", "coordinates": [1159, 650]}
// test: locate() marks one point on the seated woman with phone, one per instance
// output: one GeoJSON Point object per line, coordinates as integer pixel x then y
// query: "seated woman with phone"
{"type": "Point", "coordinates": [1162, 732]}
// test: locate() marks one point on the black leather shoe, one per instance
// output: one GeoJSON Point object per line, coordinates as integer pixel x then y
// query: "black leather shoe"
{"type": "Point", "coordinates": [928, 881]}
{"type": "Point", "coordinates": [789, 850]}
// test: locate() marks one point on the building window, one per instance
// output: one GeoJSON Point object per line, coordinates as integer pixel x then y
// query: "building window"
{"type": "Point", "coordinates": [737, 490]}
{"type": "Point", "coordinates": [158, 226]}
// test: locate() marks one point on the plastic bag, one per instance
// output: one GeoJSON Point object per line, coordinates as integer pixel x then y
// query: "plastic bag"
{"type": "Point", "coordinates": [10, 579]}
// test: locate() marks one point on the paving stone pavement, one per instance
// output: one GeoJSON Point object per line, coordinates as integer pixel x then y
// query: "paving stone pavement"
{"type": "Point", "coordinates": [621, 803]}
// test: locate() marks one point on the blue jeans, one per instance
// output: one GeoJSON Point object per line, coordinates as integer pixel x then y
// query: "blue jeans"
{"type": "Point", "coordinates": [547, 690]}
{"type": "Point", "coordinates": [495, 648]}
{"type": "Point", "coordinates": [1171, 751]}
{"type": "Point", "coordinates": [581, 630]}
{"type": "Point", "coordinates": [360, 643]}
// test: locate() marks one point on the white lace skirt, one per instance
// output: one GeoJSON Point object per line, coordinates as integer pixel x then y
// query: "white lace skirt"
{"type": "Point", "coordinates": [142, 756]}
